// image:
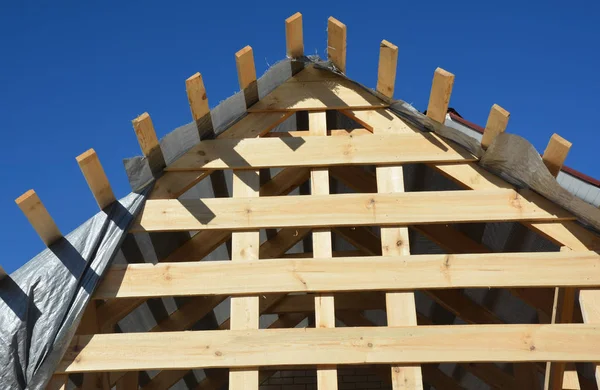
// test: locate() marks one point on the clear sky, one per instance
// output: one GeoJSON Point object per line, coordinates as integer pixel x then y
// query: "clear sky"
{"type": "Point", "coordinates": [74, 74]}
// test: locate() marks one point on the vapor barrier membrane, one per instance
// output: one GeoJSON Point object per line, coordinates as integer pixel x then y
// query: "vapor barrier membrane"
{"type": "Point", "coordinates": [41, 304]}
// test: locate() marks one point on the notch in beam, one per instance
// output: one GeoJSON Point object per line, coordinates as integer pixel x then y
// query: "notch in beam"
{"type": "Point", "coordinates": [197, 97]}
{"type": "Point", "coordinates": [556, 153]}
{"type": "Point", "coordinates": [439, 98]}
{"type": "Point", "coordinates": [293, 36]}
{"type": "Point", "coordinates": [336, 43]}
{"type": "Point", "coordinates": [38, 217]}
{"type": "Point", "coordinates": [388, 62]}
{"type": "Point", "coordinates": [496, 124]}
{"type": "Point", "coordinates": [144, 130]}
{"type": "Point", "coordinates": [96, 178]}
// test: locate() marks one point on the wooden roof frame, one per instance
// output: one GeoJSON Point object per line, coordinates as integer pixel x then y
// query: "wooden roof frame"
{"type": "Point", "coordinates": [105, 360]}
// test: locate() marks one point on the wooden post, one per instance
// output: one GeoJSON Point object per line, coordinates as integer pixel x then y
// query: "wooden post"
{"type": "Point", "coordinates": [439, 98]}
{"type": "Point", "coordinates": [324, 303]}
{"type": "Point", "coordinates": [556, 153]}
{"type": "Point", "coordinates": [244, 61]}
{"type": "Point", "coordinates": [496, 124]}
{"type": "Point", "coordinates": [96, 178]}
{"type": "Point", "coordinates": [38, 217]}
{"type": "Point", "coordinates": [245, 247]}
{"type": "Point", "coordinates": [197, 98]}
{"type": "Point", "coordinates": [293, 36]}
{"type": "Point", "coordinates": [144, 130]}
{"type": "Point", "coordinates": [388, 62]}
{"type": "Point", "coordinates": [336, 43]}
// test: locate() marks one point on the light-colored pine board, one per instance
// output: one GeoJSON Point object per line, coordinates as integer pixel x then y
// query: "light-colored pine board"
{"type": "Point", "coordinates": [317, 90]}
{"type": "Point", "coordinates": [305, 133]}
{"type": "Point", "coordinates": [589, 300]}
{"type": "Point", "coordinates": [39, 218]}
{"type": "Point", "coordinates": [96, 178]}
{"type": "Point", "coordinates": [439, 98]}
{"type": "Point", "coordinates": [293, 36]}
{"type": "Point", "coordinates": [144, 131]}
{"type": "Point", "coordinates": [409, 208]}
{"type": "Point", "coordinates": [388, 62]}
{"type": "Point", "coordinates": [324, 303]}
{"type": "Point", "coordinates": [496, 124]}
{"type": "Point", "coordinates": [336, 43]}
{"type": "Point", "coordinates": [308, 151]}
{"type": "Point", "coordinates": [400, 305]}
{"type": "Point", "coordinates": [244, 249]}
{"type": "Point", "coordinates": [244, 61]}
{"type": "Point", "coordinates": [380, 119]}
{"type": "Point", "coordinates": [577, 269]}
{"type": "Point", "coordinates": [174, 184]}
{"type": "Point", "coordinates": [371, 345]}
{"type": "Point", "coordinates": [197, 98]}
{"type": "Point", "coordinates": [556, 153]}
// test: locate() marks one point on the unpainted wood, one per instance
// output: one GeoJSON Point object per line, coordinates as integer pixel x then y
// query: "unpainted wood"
{"type": "Point", "coordinates": [197, 98]}
{"type": "Point", "coordinates": [144, 130]}
{"type": "Point", "coordinates": [244, 61]}
{"type": "Point", "coordinates": [496, 124]}
{"type": "Point", "coordinates": [293, 36]}
{"type": "Point", "coordinates": [371, 345]}
{"type": "Point", "coordinates": [538, 269]}
{"type": "Point", "coordinates": [439, 98]}
{"type": "Point", "coordinates": [39, 218]}
{"type": "Point", "coordinates": [556, 153]}
{"type": "Point", "coordinates": [388, 62]}
{"type": "Point", "coordinates": [96, 178]}
{"type": "Point", "coordinates": [336, 43]}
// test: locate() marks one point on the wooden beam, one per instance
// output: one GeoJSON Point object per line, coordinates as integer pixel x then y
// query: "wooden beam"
{"type": "Point", "coordinates": [58, 382]}
{"type": "Point", "coordinates": [244, 310]}
{"type": "Point", "coordinates": [144, 130]}
{"type": "Point", "coordinates": [324, 303]}
{"type": "Point", "coordinates": [305, 133]}
{"type": "Point", "coordinates": [556, 153]}
{"type": "Point", "coordinates": [31, 205]}
{"type": "Point", "coordinates": [439, 98]}
{"type": "Point", "coordinates": [293, 36]}
{"type": "Point", "coordinates": [342, 210]}
{"type": "Point", "coordinates": [371, 345]}
{"type": "Point", "coordinates": [388, 62]}
{"type": "Point", "coordinates": [304, 303]}
{"type": "Point", "coordinates": [96, 178]}
{"type": "Point", "coordinates": [400, 305]}
{"type": "Point", "coordinates": [244, 61]}
{"type": "Point", "coordinates": [496, 124]}
{"type": "Point", "coordinates": [197, 98]}
{"type": "Point", "coordinates": [351, 274]}
{"type": "Point", "coordinates": [336, 43]}
{"type": "Point", "coordinates": [128, 381]}
{"type": "Point", "coordinates": [308, 151]}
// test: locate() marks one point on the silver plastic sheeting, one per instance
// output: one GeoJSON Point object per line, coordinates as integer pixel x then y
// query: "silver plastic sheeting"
{"type": "Point", "coordinates": [42, 302]}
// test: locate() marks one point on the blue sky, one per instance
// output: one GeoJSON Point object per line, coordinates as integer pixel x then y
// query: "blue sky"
{"type": "Point", "coordinates": [74, 74]}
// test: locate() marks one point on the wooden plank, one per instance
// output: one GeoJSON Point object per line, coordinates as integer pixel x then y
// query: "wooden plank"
{"type": "Point", "coordinates": [96, 178]}
{"type": "Point", "coordinates": [380, 118]}
{"type": "Point", "coordinates": [336, 43]}
{"type": "Point", "coordinates": [556, 153]}
{"type": "Point", "coordinates": [324, 303]}
{"type": "Point", "coordinates": [400, 305]}
{"type": "Point", "coordinates": [197, 98]}
{"type": "Point", "coordinates": [244, 61]}
{"type": "Point", "coordinates": [388, 62]}
{"type": "Point", "coordinates": [351, 274]}
{"type": "Point", "coordinates": [341, 210]}
{"type": "Point", "coordinates": [496, 124]}
{"type": "Point", "coordinates": [304, 303]}
{"type": "Point", "coordinates": [144, 130]}
{"type": "Point", "coordinates": [308, 151]}
{"type": "Point", "coordinates": [317, 90]}
{"type": "Point", "coordinates": [129, 381]}
{"type": "Point", "coordinates": [244, 250]}
{"type": "Point", "coordinates": [371, 345]}
{"type": "Point", "coordinates": [58, 382]}
{"type": "Point", "coordinates": [439, 98]}
{"type": "Point", "coordinates": [39, 218]}
{"type": "Point", "coordinates": [305, 133]}
{"type": "Point", "coordinates": [293, 36]}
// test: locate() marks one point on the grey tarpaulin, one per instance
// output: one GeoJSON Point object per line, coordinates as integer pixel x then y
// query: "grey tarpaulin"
{"type": "Point", "coordinates": [42, 302]}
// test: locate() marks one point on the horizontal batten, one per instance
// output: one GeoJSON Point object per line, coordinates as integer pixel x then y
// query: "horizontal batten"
{"type": "Point", "coordinates": [341, 210]}
{"type": "Point", "coordinates": [352, 274]}
{"type": "Point", "coordinates": [370, 345]}
{"type": "Point", "coordinates": [308, 151]}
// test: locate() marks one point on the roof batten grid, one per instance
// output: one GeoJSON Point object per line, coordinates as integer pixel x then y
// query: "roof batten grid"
{"type": "Point", "coordinates": [33, 208]}
{"type": "Point", "coordinates": [336, 43]}
{"type": "Point", "coordinates": [439, 98]}
{"type": "Point", "coordinates": [96, 178]}
{"type": "Point", "coordinates": [496, 124]}
{"type": "Point", "coordinates": [400, 306]}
